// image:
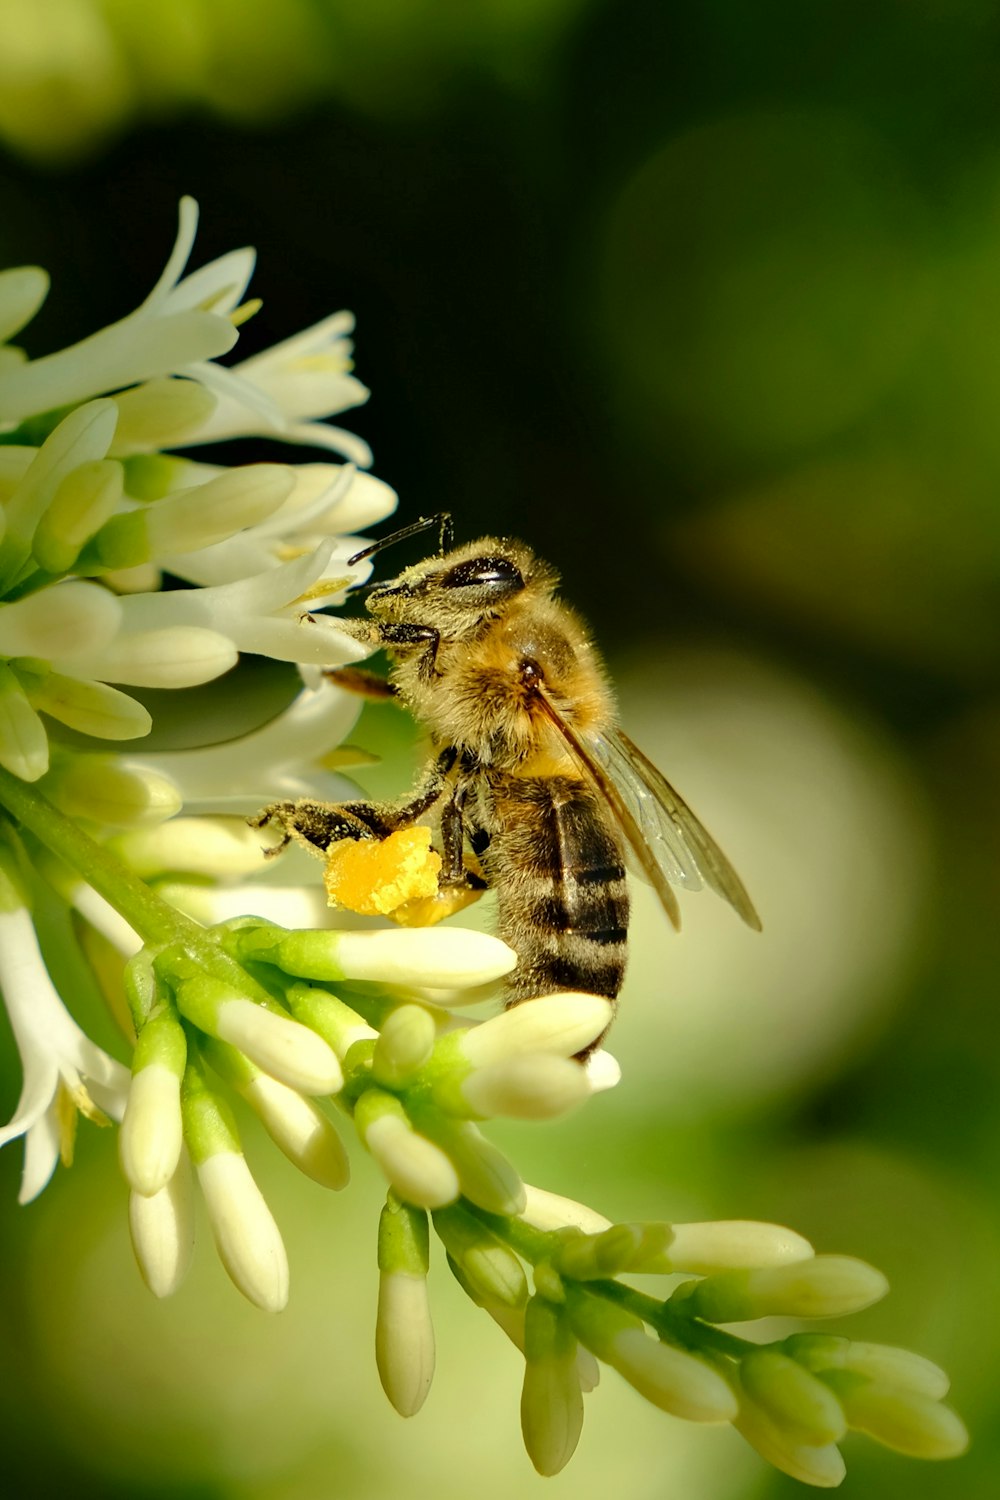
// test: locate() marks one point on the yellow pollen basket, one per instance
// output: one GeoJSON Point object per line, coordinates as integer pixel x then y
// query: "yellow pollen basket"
{"type": "Point", "coordinates": [376, 878]}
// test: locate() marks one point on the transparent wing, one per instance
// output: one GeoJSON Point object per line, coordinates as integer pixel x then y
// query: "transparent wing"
{"type": "Point", "coordinates": [680, 846]}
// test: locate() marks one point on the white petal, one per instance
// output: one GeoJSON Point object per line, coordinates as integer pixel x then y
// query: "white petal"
{"type": "Point", "coordinates": [187, 228]}
{"type": "Point", "coordinates": [24, 745]}
{"type": "Point", "coordinates": [179, 656]}
{"type": "Point", "coordinates": [23, 289]}
{"type": "Point", "coordinates": [41, 1155]}
{"type": "Point", "coordinates": [217, 287]}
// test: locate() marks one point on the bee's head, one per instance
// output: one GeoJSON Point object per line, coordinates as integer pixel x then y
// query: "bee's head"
{"type": "Point", "coordinates": [456, 591]}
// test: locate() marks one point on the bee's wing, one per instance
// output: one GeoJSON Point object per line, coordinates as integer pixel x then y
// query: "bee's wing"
{"type": "Point", "coordinates": [681, 846]}
{"type": "Point", "coordinates": [606, 784]}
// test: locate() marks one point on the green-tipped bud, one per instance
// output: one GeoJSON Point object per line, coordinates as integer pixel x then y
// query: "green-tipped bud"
{"type": "Point", "coordinates": [24, 745]}
{"type": "Point", "coordinates": [278, 1044]}
{"type": "Point", "coordinates": [246, 1237]}
{"type": "Point", "coordinates": [902, 1420]}
{"type": "Point", "coordinates": [551, 1397]}
{"type": "Point", "coordinates": [535, 1087]}
{"type": "Point", "coordinates": [822, 1467]}
{"type": "Point", "coordinates": [827, 1286]}
{"type": "Point", "coordinates": [161, 1226]}
{"type": "Point", "coordinates": [485, 1175]}
{"type": "Point", "coordinates": [92, 708]}
{"type": "Point", "coordinates": [338, 1025]}
{"type": "Point", "coordinates": [450, 957]}
{"type": "Point", "coordinates": [623, 1247]}
{"type": "Point", "coordinates": [404, 1045]}
{"type": "Point", "coordinates": [159, 414]}
{"type": "Point", "coordinates": [798, 1402]}
{"type": "Point", "coordinates": [493, 1271]}
{"type": "Point", "coordinates": [300, 1129]}
{"type": "Point", "coordinates": [222, 848]}
{"type": "Point", "coordinates": [102, 789]}
{"type": "Point", "coordinates": [560, 1025]}
{"type": "Point", "coordinates": [882, 1363]}
{"type": "Point", "coordinates": [87, 497]}
{"type": "Point", "coordinates": [404, 1334]}
{"type": "Point", "coordinates": [670, 1378]}
{"type": "Point", "coordinates": [418, 1171]}
{"type": "Point", "coordinates": [149, 1142]}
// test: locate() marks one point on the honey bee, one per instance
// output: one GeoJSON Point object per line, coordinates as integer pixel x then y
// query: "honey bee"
{"type": "Point", "coordinates": [533, 790]}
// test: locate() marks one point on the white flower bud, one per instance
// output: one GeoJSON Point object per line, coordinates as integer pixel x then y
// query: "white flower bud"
{"type": "Point", "coordinates": [247, 1239]}
{"type": "Point", "coordinates": [676, 1382]}
{"type": "Point", "coordinates": [24, 744]}
{"type": "Point", "coordinates": [93, 708]}
{"type": "Point", "coordinates": [159, 412]}
{"type": "Point", "coordinates": [405, 1044]}
{"type": "Point", "coordinates": [802, 1405]}
{"type": "Point", "coordinates": [415, 1168]}
{"type": "Point", "coordinates": [545, 1210]}
{"type": "Point", "coordinates": [452, 957]}
{"type": "Point", "coordinates": [558, 1024]}
{"type": "Point", "coordinates": [822, 1466]}
{"type": "Point", "coordinates": [404, 1340]}
{"type": "Point", "coordinates": [149, 1143]}
{"type": "Point", "coordinates": [724, 1244]}
{"type": "Point", "coordinates": [907, 1422]}
{"type": "Point", "coordinates": [162, 1231]}
{"type": "Point", "coordinates": [901, 1368]}
{"type": "Point", "coordinates": [65, 622]}
{"type": "Point", "coordinates": [285, 1049]}
{"type": "Point", "coordinates": [208, 513]}
{"type": "Point", "coordinates": [300, 1129]}
{"type": "Point", "coordinates": [535, 1087]}
{"type": "Point", "coordinates": [221, 847]}
{"type": "Point", "coordinates": [551, 1397]}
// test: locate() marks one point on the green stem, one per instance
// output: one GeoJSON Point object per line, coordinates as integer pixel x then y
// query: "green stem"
{"type": "Point", "coordinates": [535, 1245]}
{"type": "Point", "coordinates": [152, 918]}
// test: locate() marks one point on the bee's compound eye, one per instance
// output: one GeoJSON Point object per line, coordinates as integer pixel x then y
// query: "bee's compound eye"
{"type": "Point", "coordinates": [495, 575]}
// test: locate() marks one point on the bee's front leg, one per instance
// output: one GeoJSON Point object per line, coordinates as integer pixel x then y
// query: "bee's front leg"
{"type": "Point", "coordinates": [317, 825]}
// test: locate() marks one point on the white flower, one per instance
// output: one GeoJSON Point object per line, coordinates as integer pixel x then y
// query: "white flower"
{"type": "Point", "coordinates": [180, 324]}
{"type": "Point", "coordinates": [64, 1071]}
{"type": "Point", "coordinates": [282, 392]}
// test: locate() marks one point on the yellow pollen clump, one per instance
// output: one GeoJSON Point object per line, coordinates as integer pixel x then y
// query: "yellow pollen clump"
{"type": "Point", "coordinates": [374, 877]}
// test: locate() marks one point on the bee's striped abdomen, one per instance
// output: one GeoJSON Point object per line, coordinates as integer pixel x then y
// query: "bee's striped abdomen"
{"type": "Point", "coordinates": [556, 862]}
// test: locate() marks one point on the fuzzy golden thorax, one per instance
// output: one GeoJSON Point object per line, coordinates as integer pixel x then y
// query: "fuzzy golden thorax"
{"type": "Point", "coordinates": [460, 629]}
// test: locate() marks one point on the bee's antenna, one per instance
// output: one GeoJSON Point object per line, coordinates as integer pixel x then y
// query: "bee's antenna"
{"type": "Point", "coordinates": [442, 520]}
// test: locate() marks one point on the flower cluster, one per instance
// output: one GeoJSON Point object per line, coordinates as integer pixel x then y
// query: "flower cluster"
{"type": "Point", "coordinates": [180, 910]}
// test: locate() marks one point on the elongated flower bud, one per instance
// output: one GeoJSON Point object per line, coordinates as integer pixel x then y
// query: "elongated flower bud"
{"type": "Point", "coordinates": [149, 1142]}
{"type": "Point", "coordinates": [902, 1420]}
{"type": "Point", "coordinates": [415, 1168]}
{"type": "Point", "coordinates": [560, 1025]}
{"type": "Point", "coordinates": [405, 1044]}
{"type": "Point", "coordinates": [87, 497]}
{"type": "Point", "coordinates": [822, 1466]}
{"type": "Point", "coordinates": [338, 1025]}
{"type": "Point", "coordinates": [404, 1334]}
{"type": "Point", "coordinates": [801, 1404]}
{"type": "Point", "coordinates": [670, 1378]}
{"type": "Point", "coordinates": [882, 1363]}
{"type": "Point", "coordinates": [278, 1044]}
{"type": "Point", "coordinates": [485, 1175]}
{"type": "Point", "coordinates": [161, 1226]}
{"type": "Point", "coordinates": [535, 1087]}
{"type": "Point", "coordinates": [825, 1286]}
{"type": "Point", "coordinates": [493, 1270]}
{"type": "Point", "coordinates": [551, 1397]}
{"type": "Point", "coordinates": [450, 957]}
{"type": "Point", "coordinates": [246, 1237]}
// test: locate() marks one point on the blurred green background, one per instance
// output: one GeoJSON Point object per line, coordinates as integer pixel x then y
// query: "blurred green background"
{"type": "Point", "coordinates": [703, 302]}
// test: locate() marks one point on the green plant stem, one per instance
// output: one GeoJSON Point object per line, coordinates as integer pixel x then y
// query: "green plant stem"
{"type": "Point", "coordinates": [535, 1245]}
{"type": "Point", "coordinates": [152, 918]}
